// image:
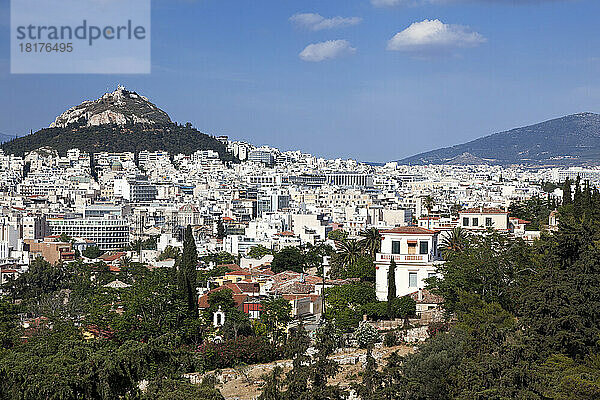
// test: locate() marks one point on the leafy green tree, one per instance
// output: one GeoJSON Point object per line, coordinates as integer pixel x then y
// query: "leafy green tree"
{"type": "Point", "coordinates": [170, 252]}
{"type": "Point", "coordinates": [489, 266]}
{"type": "Point", "coordinates": [273, 387]}
{"type": "Point", "coordinates": [40, 278]}
{"type": "Point", "coordinates": [288, 259]}
{"type": "Point", "coordinates": [236, 323]}
{"type": "Point", "coordinates": [92, 252]}
{"type": "Point", "coordinates": [9, 324]}
{"type": "Point", "coordinates": [181, 389]}
{"type": "Point", "coordinates": [346, 302]}
{"type": "Point", "coordinates": [222, 298]}
{"type": "Point", "coordinates": [338, 235]}
{"type": "Point", "coordinates": [276, 313]}
{"type": "Point", "coordinates": [258, 252]}
{"type": "Point", "coordinates": [567, 196]}
{"type": "Point", "coordinates": [404, 307]}
{"type": "Point", "coordinates": [296, 380]}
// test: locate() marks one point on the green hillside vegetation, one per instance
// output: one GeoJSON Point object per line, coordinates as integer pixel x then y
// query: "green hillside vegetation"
{"type": "Point", "coordinates": [173, 138]}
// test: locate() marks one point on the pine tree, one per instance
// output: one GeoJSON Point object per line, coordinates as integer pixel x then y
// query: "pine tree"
{"type": "Point", "coordinates": [187, 272]}
{"type": "Point", "coordinates": [391, 288]}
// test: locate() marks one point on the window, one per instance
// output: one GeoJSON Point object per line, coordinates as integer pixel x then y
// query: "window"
{"type": "Point", "coordinates": [475, 221]}
{"type": "Point", "coordinates": [396, 247]}
{"type": "Point", "coordinates": [412, 279]}
{"type": "Point", "coordinates": [412, 247]}
{"type": "Point", "coordinates": [465, 221]}
{"type": "Point", "coordinates": [488, 221]}
{"type": "Point", "coordinates": [423, 247]}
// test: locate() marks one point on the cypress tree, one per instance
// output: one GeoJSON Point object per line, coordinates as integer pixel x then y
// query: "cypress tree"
{"type": "Point", "coordinates": [567, 198]}
{"type": "Point", "coordinates": [391, 288]}
{"type": "Point", "coordinates": [577, 196]}
{"type": "Point", "coordinates": [187, 272]}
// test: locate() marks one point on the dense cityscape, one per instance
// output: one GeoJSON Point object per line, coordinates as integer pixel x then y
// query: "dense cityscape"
{"type": "Point", "coordinates": [275, 274]}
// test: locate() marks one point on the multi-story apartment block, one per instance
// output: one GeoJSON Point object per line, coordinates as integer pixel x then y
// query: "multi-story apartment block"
{"type": "Point", "coordinates": [109, 233]}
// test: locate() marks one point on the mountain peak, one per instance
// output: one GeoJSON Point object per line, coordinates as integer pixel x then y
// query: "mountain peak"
{"type": "Point", "coordinates": [121, 107]}
{"type": "Point", "coordinates": [568, 140]}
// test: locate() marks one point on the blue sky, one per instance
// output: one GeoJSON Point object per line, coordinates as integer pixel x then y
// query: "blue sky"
{"type": "Point", "coordinates": [373, 87]}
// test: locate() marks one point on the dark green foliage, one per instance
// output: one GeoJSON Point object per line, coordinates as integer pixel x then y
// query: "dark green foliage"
{"type": "Point", "coordinates": [181, 389]}
{"type": "Point", "coordinates": [41, 278]}
{"type": "Point", "coordinates": [134, 138]}
{"type": "Point", "coordinates": [488, 266]}
{"type": "Point", "coordinates": [248, 350]}
{"type": "Point", "coordinates": [258, 252]}
{"type": "Point", "coordinates": [535, 210]}
{"type": "Point", "coordinates": [92, 252]}
{"type": "Point", "coordinates": [288, 259]}
{"type": "Point", "coordinates": [404, 307]}
{"type": "Point", "coordinates": [59, 364]}
{"type": "Point", "coordinates": [363, 269]}
{"type": "Point", "coordinates": [371, 241]}
{"type": "Point", "coordinates": [346, 302]}
{"type": "Point", "coordinates": [187, 272]}
{"type": "Point", "coordinates": [169, 252]}
{"type": "Point", "coordinates": [221, 231]}
{"type": "Point", "coordinates": [390, 339]}
{"type": "Point", "coordinates": [9, 324]}
{"type": "Point", "coordinates": [391, 294]}
{"type": "Point", "coordinates": [338, 235]}
{"type": "Point", "coordinates": [276, 312]}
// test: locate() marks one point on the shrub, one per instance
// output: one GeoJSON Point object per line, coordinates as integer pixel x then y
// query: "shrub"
{"type": "Point", "coordinates": [390, 339]}
{"type": "Point", "coordinates": [366, 335]}
{"type": "Point", "coordinates": [247, 350]}
{"type": "Point", "coordinates": [375, 310]}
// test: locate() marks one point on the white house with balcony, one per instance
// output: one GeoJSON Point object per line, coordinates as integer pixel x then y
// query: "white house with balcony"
{"type": "Point", "coordinates": [415, 251]}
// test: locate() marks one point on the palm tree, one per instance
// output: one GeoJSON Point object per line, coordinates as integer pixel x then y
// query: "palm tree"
{"type": "Point", "coordinates": [428, 202]}
{"type": "Point", "coordinates": [371, 241]}
{"type": "Point", "coordinates": [349, 251]}
{"type": "Point", "coordinates": [456, 241]}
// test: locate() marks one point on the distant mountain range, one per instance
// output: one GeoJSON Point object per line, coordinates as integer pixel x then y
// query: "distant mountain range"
{"type": "Point", "coordinates": [117, 122]}
{"type": "Point", "coordinates": [570, 140]}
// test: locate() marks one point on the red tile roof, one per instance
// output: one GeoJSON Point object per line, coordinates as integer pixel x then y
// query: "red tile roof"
{"type": "Point", "coordinates": [411, 230]}
{"type": "Point", "coordinates": [483, 210]}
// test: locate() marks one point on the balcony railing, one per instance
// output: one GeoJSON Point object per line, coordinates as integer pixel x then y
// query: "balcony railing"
{"type": "Point", "coordinates": [404, 258]}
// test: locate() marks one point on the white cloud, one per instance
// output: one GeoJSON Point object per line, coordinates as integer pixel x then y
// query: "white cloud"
{"type": "Point", "coordinates": [316, 22]}
{"type": "Point", "coordinates": [328, 50]}
{"type": "Point", "coordinates": [388, 3]}
{"type": "Point", "coordinates": [434, 36]}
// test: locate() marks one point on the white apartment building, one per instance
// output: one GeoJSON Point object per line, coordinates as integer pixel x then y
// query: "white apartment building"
{"type": "Point", "coordinates": [135, 190]}
{"type": "Point", "coordinates": [415, 252]}
{"type": "Point", "coordinates": [109, 233]}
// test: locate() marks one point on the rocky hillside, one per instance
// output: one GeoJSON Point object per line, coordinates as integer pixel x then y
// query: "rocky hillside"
{"type": "Point", "coordinates": [574, 139]}
{"type": "Point", "coordinates": [117, 122]}
{"type": "Point", "coordinates": [120, 107]}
